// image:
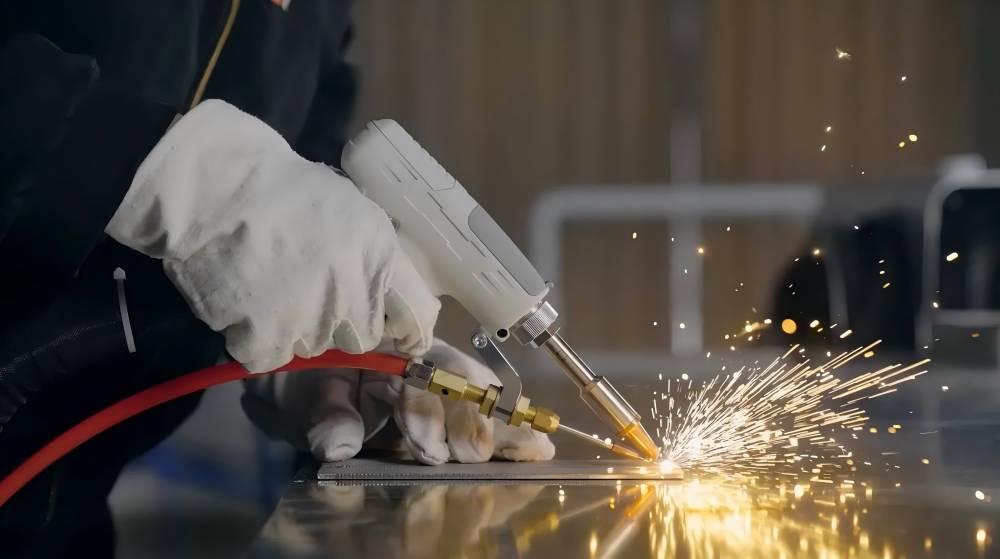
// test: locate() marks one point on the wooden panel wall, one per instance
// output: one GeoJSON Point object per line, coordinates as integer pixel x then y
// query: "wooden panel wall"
{"type": "Point", "coordinates": [773, 82]}
{"type": "Point", "coordinates": [519, 96]}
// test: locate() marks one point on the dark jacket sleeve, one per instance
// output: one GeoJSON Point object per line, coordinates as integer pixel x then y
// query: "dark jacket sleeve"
{"type": "Point", "coordinates": [69, 146]}
{"type": "Point", "coordinates": [329, 119]}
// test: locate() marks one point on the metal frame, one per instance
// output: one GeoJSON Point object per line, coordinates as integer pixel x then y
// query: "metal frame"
{"type": "Point", "coordinates": [690, 203]}
{"type": "Point", "coordinates": [964, 179]}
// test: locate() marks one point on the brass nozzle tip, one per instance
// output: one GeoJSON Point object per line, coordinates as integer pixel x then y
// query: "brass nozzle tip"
{"type": "Point", "coordinates": [641, 440]}
{"type": "Point", "coordinates": [625, 451]}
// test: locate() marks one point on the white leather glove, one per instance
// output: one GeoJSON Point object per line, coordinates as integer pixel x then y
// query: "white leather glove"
{"type": "Point", "coordinates": [334, 412]}
{"type": "Point", "coordinates": [282, 255]}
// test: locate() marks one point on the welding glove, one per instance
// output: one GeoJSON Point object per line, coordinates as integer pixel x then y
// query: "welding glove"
{"type": "Point", "coordinates": [281, 255]}
{"type": "Point", "coordinates": [334, 412]}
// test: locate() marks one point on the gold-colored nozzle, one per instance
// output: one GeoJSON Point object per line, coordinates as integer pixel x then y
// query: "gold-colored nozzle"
{"type": "Point", "coordinates": [640, 439]}
{"type": "Point", "coordinates": [450, 385]}
{"type": "Point", "coordinates": [622, 450]}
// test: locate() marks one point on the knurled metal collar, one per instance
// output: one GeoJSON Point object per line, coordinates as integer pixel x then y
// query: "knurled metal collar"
{"type": "Point", "coordinates": [538, 326]}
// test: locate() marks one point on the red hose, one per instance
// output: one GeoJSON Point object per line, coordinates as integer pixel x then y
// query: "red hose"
{"type": "Point", "coordinates": [169, 390]}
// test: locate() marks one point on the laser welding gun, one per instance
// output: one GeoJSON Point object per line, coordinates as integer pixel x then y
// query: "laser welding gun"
{"type": "Point", "coordinates": [461, 252]}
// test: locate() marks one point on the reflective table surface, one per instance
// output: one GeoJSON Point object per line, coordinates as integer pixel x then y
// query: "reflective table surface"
{"type": "Point", "coordinates": [931, 490]}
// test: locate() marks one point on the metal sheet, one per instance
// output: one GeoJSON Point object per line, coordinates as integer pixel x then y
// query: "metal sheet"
{"type": "Point", "coordinates": [555, 470]}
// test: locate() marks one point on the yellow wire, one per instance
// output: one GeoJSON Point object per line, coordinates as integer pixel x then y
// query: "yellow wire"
{"type": "Point", "coordinates": [207, 74]}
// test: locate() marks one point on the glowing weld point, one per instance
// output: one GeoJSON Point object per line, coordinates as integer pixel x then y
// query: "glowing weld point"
{"type": "Point", "coordinates": [951, 257]}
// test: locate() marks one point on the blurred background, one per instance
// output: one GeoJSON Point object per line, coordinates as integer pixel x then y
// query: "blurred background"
{"type": "Point", "coordinates": [678, 168]}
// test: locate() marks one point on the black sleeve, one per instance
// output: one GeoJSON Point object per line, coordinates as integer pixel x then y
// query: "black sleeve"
{"type": "Point", "coordinates": [326, 127]}
{"type": "Point", "coordinates": [69, 146]}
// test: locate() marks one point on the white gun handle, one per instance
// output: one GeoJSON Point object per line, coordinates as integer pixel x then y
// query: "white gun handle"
{"type": "Point", "coordinates": [454, 244]}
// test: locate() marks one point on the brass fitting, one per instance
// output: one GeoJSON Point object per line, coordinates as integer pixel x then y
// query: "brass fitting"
{"type": "Point", "coordinates": [456, 387]}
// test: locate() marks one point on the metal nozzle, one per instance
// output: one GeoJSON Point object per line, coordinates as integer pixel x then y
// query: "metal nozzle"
{"type": "Point", "coordinates": [602, 397]}
{"type": "Point", "coordinates": [618, 449]}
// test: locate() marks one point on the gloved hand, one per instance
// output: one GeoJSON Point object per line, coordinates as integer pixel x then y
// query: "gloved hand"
{"type": "Point", "coordinates": [334, 412]}
{"type": "Point", "coordinates": [282, 255]}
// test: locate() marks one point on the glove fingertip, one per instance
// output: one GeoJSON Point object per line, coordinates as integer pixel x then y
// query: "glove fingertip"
{"type": "Point", "coordinates": [334, 440]}
{"type": "Point", "coordinates": [534, 447]}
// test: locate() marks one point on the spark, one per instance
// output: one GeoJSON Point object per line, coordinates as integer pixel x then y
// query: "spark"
{"type": "Point", "coordinates": [823, 147]}
{"type": "Point", "coordinates": [817, 251]}
{"type": "Point", "coordinates": [885, 285]}
{"type": "Point", "coordinates": [814, 324]}
{"type": "Point", "coordinates": [829, 128]}
{"type": "Point", "coordinates": [980, 495]}
{"type": "Point", "coordinates": [655, 323]}
{"type": "Point", "coordinates": [953, 256]}
{"type": "Point", "coordinates": [935, 304]}
{"type": "Point", "coordinates": [842, 55]}
{"type": "Point", "coordinates": [780, 418]}
{"type": "Point", "coordinates": [701, 250]}
{"type": "Point", "coordinates": [902, 78]}
{"type": "Point", "coordinates": [912, 138]}
{"type": "Point", "coordinates": [846, 333]}
{"type": "Point", "coordinates": [980, 536]}
{"type": "Point", "coordinates": [925, 461]}
{"type": "Point", "coordinates": [902, 144]}
{"type": "Point", "coordinates": [788, 326]}
{"type": "Point", "coordinates": [944, 388]}
{"type": "Point", "coordinates": [635, 235]}
{"type": "Point", "coordinates": [682, 326]}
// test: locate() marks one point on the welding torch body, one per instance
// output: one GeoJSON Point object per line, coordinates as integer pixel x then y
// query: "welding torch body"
{"type": "Point", "coordinates": [461, 252]}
